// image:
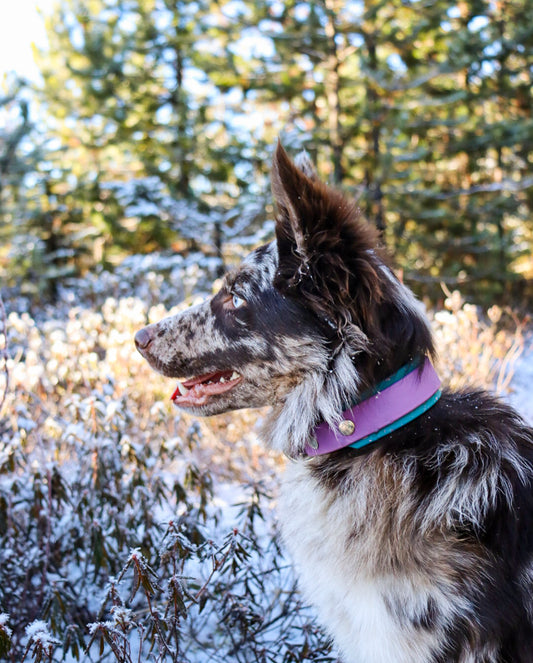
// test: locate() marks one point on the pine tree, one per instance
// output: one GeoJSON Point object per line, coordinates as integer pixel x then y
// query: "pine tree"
{"type": "Point", "coordinates": [135, 87]}
{"type": "Point", "coordinates": [403, 101]}
{"type": "Point", "coordinates": [21, 149]}
{"type": "Point", "coordinates": [14, 128]}
{"type": "Point", "coordinates": [468, 199]}
{"type": "Point", "coordinates": [166, 112]}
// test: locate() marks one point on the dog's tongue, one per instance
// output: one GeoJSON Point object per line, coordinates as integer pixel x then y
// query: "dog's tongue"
{"type": "Point", "coordinates": [197, 391]}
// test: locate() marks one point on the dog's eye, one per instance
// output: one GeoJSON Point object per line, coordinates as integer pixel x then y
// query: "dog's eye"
{"type": "Point", "coordinates": [237, 301]}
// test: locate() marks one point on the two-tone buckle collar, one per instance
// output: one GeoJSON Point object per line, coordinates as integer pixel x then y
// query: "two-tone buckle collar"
{"type": "Point", "coordinates": [393, 403]}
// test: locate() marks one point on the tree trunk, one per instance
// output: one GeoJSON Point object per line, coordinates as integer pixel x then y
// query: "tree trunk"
{"type": "Point", "coordinates": [332, 86]}
{"type": "Point", "coordinates": [374, 177]}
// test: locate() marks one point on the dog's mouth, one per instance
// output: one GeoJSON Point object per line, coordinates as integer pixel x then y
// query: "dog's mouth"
{"type": "Point", "coordinates": [198, 390]}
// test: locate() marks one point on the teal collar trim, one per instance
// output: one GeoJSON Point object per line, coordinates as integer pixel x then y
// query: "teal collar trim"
{"type": "Point", "coordinates": [391, 404]}
{"type": "Point", "coordinates": [392, 379]}
{"type": "Point", "coordinates": [402, 421]}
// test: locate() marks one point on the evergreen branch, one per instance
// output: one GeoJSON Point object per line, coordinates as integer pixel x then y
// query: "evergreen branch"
{"type": "Point", "coordinates": [493, 187]}
{"type": "Point", "coordinates": [505, 185]}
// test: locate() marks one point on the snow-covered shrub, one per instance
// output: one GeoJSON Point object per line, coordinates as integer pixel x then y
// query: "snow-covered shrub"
{"type": "Point", "coordinates": [477, 347]}
{"type": "Point", "coordinates": [156, 279]}
{"type": "Point", "coordinates": [5, 634]}
{"type": "Point", "coordinates": [118, 530]}
{"type": "Point", "coordinates": [130, 532]}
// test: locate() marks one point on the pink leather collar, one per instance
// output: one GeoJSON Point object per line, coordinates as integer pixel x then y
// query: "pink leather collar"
{"type": "Point", "coordinates": [395, 402]}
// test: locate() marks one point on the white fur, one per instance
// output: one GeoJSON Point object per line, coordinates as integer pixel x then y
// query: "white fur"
{"type": "Point", "coordinates": [340, 578]}
{"type": "Point", "coordinates": [321, 396]}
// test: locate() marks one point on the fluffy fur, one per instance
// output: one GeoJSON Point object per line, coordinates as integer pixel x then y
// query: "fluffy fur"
{"type": "Point", "coordinates": [420, 548]}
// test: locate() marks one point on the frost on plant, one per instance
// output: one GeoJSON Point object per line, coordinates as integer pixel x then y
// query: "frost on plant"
{"type": "Point", "coordinates": [41, 644]}
{"type": "Point", "coordinates": [5, 634]}
{"type": "Point", "coordinates": [129, 532]}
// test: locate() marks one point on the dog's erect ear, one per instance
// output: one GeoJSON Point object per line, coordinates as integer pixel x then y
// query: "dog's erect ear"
{"type": "Point", "coordinates": [303, 162]}
{"type": "Point", "coordinates": [288, 185]}
{"type": "Point", "coordinates": [326, 251]}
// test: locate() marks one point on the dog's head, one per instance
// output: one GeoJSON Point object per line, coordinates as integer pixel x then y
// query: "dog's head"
{"type": "Point", "coordinates": [304, 324]}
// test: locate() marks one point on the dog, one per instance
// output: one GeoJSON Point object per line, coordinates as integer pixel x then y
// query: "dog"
{"type": "Point", "coordinates": [407, 507]}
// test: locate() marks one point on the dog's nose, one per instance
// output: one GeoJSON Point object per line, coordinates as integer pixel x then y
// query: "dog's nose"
{"type": "Point", "coordinates": [144, 337]}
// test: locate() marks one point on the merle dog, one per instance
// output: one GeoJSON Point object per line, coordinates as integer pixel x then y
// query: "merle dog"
{"type": "Point", "coordinates": [408, 508]}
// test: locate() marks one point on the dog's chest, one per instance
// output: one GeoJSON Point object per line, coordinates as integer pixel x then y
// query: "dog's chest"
{"type": "Point", "coordinates": [371, 615]}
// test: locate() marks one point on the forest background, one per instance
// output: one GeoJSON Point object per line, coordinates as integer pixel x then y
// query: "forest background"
{"type": "Point", "coordinates": [132, 174]}
{"type": "Point", "coordinates": [154, 123]}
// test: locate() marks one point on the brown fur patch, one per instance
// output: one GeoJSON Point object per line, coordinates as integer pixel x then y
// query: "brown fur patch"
{"type": "Point", "coordinates": [325, 247]}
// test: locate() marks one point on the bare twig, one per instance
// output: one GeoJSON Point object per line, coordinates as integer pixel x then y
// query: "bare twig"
{"type": "Point", "coordinates": [508, 365]}
{"type": "Point", "coordinates": [3, 351]}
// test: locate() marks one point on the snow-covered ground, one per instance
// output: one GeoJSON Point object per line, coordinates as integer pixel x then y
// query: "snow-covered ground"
{"type": "Point", "coordinates": [521, 393]}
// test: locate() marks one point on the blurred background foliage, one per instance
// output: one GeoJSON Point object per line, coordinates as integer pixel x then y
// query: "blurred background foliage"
{"type": "Point", "coordinates": [153, 125]}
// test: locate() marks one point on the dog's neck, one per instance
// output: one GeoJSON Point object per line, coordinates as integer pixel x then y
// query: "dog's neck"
{"type": "Point", "coordinates": [393, 403]}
